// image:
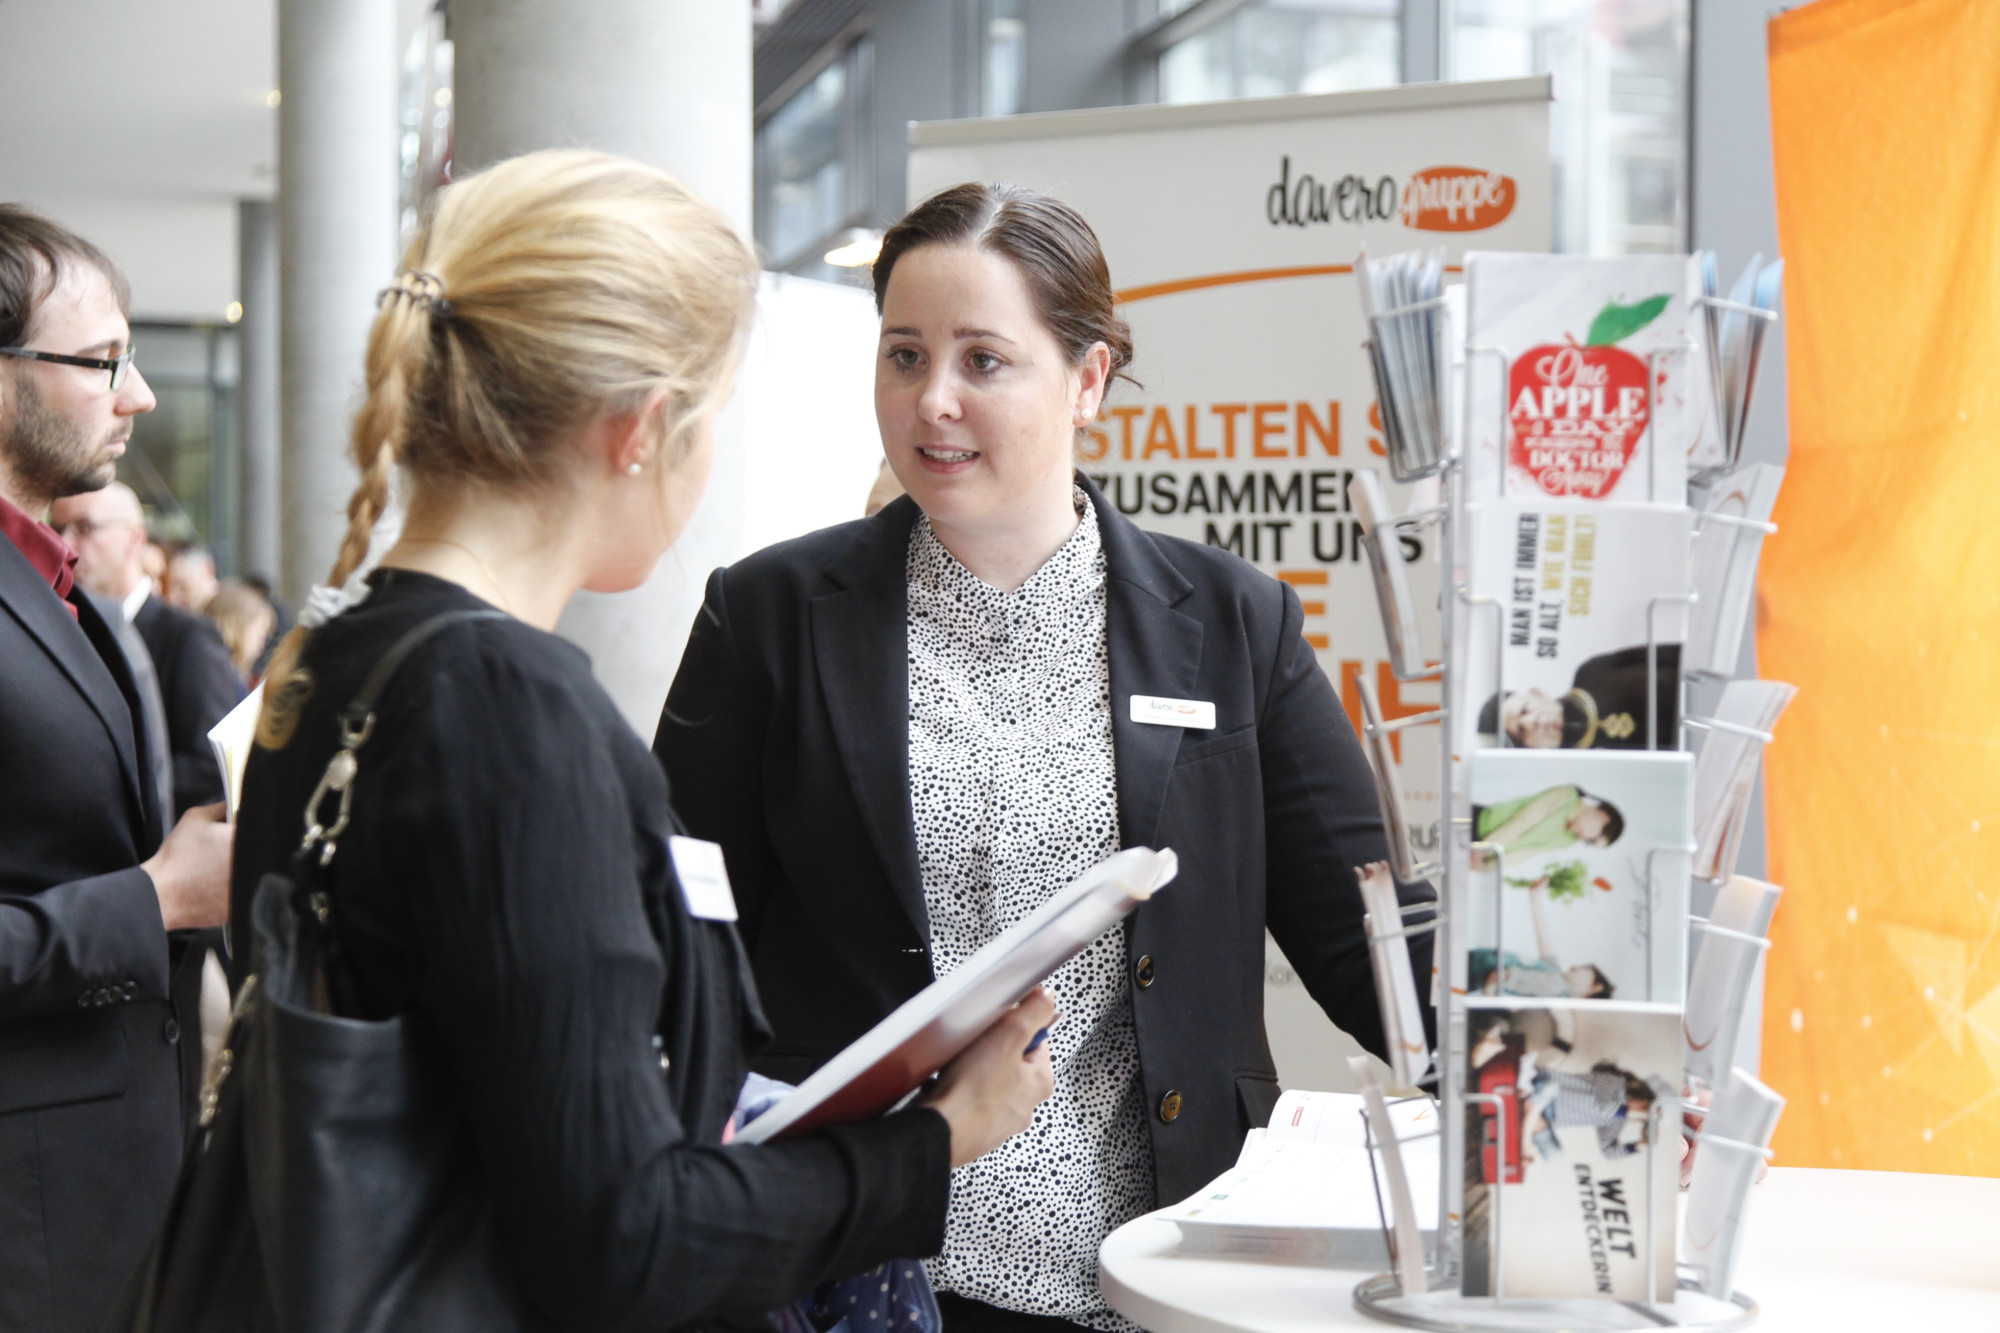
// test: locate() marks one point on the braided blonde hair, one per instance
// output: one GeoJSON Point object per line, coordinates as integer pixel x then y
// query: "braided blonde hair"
{"type": "Point", "coordinates": [546, 291]}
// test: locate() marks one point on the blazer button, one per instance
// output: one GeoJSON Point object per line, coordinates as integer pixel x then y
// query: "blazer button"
{"type": "Point", "coordinates": [1144, 971]}
{"type": "Point", "coordinates": [1170, 1107]}
{"type": "Point", "coordinates": [172, 1032]}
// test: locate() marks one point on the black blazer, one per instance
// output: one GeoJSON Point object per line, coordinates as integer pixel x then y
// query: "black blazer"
{"type": "Point", "coordinates": [198, 685]}
{"type": "Point", "coordinates": [786, 737]}
{"type": "Point", "coordinates": [95, 1075]}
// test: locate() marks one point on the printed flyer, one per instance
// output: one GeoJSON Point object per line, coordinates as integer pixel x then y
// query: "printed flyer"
{"type": "Point", "coordinates": [1579, 884]}
{"type": "Point", "coordinates": [1587, 377]}
{"type": "Point", "coordinates": [1572, 1171]}
{"type": "Point", "coordinates": [1728, 540]}
{"type": "Point", "coordinates": [1573, 589]}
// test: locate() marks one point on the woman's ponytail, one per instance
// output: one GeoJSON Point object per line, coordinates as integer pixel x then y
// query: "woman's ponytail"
{"type": "Point", "coordinates": [398, 348]}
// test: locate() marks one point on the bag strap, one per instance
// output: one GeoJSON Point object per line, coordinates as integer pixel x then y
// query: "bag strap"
{"type": "Point", "coordinates": [357, 724]}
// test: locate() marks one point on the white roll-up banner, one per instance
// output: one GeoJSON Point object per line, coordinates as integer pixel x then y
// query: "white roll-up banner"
{"type": "Point", "coordinates": [1231, 229]}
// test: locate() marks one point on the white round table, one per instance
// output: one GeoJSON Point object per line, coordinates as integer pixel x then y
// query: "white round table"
{"type": "Point", "coordinates": [1824, 1250]}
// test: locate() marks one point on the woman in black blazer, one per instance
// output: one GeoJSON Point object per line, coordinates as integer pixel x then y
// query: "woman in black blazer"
{"type": "Point", "coordinates": [908, 731]}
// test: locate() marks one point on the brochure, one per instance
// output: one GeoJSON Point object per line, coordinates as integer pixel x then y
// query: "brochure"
{"type": "Point", "coordinates": [1302, 1191]}
{"type": "Point", "coordinates": [1579, 884]}
{"type": "Point", "coordinates": [1728, 539]}
{"type": "Point", "coordinates": [896, 1056]}
{"type": "Point", "coordinates": [1573, 591]}
{"type": "Point", "coordinates": [1572, 1171]}
{"type": "Point", "coordinates": [1725, 965]}
{"type": "Point", "coordinates": [1406, 1236]}
{"type": "Point", "coordinates": [1388, 785]}
{"type": "Point", "coordinates": [1395, 981]}
{"type": "Point", "coordinates": [1739, 1124]}
{"type": "Point", "coordinates": [1725, 771]}
{"type": "Point", "coordinates": [1586, 377]}
{"type": "Point", "coordinates": [232, 739]}
{"type": "Point", "coordinates": [1735, 337]}
{"type": "Point", "coordinates": [1402, 302]}
{"type": "Point", "coordinates": [1398, 605]}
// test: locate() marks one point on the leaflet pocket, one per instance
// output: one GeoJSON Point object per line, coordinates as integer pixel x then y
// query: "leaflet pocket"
{"type": "Point", "coordinates": [59, 1069]}
{"type": "Point", "coordinates": [1193, 751]}
{"type": "Point", "coordinates": [1258, 1095]}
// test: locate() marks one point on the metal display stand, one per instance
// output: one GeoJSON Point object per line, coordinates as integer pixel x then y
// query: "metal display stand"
{"type": "Point", "coordinates": [1443, 1306]}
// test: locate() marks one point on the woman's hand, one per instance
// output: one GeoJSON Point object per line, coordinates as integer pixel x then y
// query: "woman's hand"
{"type": "Point", "coordinates": [989, 1094]}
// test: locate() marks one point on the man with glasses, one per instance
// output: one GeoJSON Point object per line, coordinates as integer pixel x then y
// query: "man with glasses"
{"type": "Point", "coordinates": [99, 914]}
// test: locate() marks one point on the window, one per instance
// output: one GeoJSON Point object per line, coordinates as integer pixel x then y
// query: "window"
{"type": "Point", "coordinates": [1618, 128]}
{"type": "Point", "coordinates": [182, 458]}
{"type": "Point", "coordinates": [426, 116]}
{"type": "Point", "coordinates": [1286, 46]}
{"type": "Point", "coordinates": [1003, 58]}
{"type": "Point", "coordinates": [812, 172]}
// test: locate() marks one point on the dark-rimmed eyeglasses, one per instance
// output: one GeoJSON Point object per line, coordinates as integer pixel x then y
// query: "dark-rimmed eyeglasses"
{"type": "Point", "coordinates": [117, 365]}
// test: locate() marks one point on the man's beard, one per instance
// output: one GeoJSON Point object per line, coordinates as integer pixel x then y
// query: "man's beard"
{"type": "Point", "coordinates": [49, 455]}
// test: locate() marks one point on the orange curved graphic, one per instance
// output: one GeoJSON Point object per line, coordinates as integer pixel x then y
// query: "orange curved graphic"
{"type": "Point", "coordinates": [1150, 290]}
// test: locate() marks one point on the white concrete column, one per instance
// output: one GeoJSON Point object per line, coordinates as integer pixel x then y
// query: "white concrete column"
{"type": "Point", "coordinates": [257, 387]}
{"type": "Point", "coordinates": [666, 82]}
{"type": "Point", "coordinates": [337, 198]}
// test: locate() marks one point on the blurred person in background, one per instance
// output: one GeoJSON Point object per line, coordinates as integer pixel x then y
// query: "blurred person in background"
{"type": "Point", "coordinates": [98, 913]}
{"type": "Point", "coordinates": [285, 621]}
{"type": "Point", "coordinates": [198, 682]}
{"type": "Point", "coordinates": [546, 372]}
{"type": "Point", "coordinates": [191, 577]}
{"type": "Point", "coordinates": [245, 619]}
{"type": "Point", "coordinates": [153, 560]}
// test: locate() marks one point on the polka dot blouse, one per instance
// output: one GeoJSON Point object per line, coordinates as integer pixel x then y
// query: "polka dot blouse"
{"type": "Point", "coordinates": [1015, 795]}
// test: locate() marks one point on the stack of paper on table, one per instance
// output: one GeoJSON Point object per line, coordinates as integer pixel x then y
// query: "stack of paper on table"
{"type": "Point", "coordinates": [1302, 1190]}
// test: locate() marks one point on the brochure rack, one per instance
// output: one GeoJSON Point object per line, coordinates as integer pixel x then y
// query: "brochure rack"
{"type": "Point", "coordinates": [1443, 1306]}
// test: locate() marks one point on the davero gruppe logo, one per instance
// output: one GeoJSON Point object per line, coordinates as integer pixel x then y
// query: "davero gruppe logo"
{"type": "Point", "coordinates": [1434, 199]}
{"type": "Point", "coordinates": [1457, 199]}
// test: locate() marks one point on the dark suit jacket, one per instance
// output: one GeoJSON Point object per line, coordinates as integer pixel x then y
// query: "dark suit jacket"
{"type": "Point", "coordinates": [93, 1071]}
{"type": "Point", "coordinates": [198, 684]}
{"type": "Point", "coordinates": [152, 709]}
{"type": "Point", "coordinates": [786, 738]}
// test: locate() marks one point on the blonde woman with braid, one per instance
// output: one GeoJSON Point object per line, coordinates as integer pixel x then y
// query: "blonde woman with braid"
{"type": "Point", "coordinates": [546, 374]}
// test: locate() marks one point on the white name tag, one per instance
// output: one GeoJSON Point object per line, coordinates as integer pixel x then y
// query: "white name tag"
{"type": "Point", "coordinates": [1195, 713]}
{"type": "Point", "coordinates": [704, 879]}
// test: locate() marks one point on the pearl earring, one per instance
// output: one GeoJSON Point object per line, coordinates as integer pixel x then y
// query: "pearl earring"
{"type": "Point", "coordinates": [633, 468]}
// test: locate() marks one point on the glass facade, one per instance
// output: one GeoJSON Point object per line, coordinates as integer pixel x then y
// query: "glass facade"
{"type": "Point", "coordinates": [1287, 46]}
{"type": "Point", "coordinates": [1003, 58]}
{"type": "Point", "coordinates": [183, 457]}
{"type": "Point", "coordinates": [1618, 128]}
{"type": "Point", "coordinates": [812, 165]}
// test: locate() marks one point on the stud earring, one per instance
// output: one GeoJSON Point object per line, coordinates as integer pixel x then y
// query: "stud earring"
{"type": "Point", "coordinates": [632, 468]}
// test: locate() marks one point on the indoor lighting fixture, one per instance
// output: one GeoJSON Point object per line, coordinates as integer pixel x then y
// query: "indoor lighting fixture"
{"type": "Point", "coordinates": [857, 249]}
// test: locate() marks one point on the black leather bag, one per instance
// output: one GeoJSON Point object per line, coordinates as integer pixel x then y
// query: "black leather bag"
{"type": "Point", "coordinates": [331, 1188]}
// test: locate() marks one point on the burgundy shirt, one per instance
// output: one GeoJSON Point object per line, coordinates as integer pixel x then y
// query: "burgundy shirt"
{"type": "Point", "coordinates": [46, 550]}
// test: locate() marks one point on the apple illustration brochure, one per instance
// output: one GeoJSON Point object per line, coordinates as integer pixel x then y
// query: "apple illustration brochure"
{"type": "Point", "coordinates": [1587, 377]}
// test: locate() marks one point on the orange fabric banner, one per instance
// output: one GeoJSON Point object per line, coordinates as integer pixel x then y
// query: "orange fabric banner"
{"type": "Point", "coordinates": [1881, 591]}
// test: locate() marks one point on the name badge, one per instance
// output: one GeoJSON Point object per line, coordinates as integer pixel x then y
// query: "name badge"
{"type": "Point", "coordinates": [1196, 713]}
{"type": "Point", "coordinates": [704, 879]}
